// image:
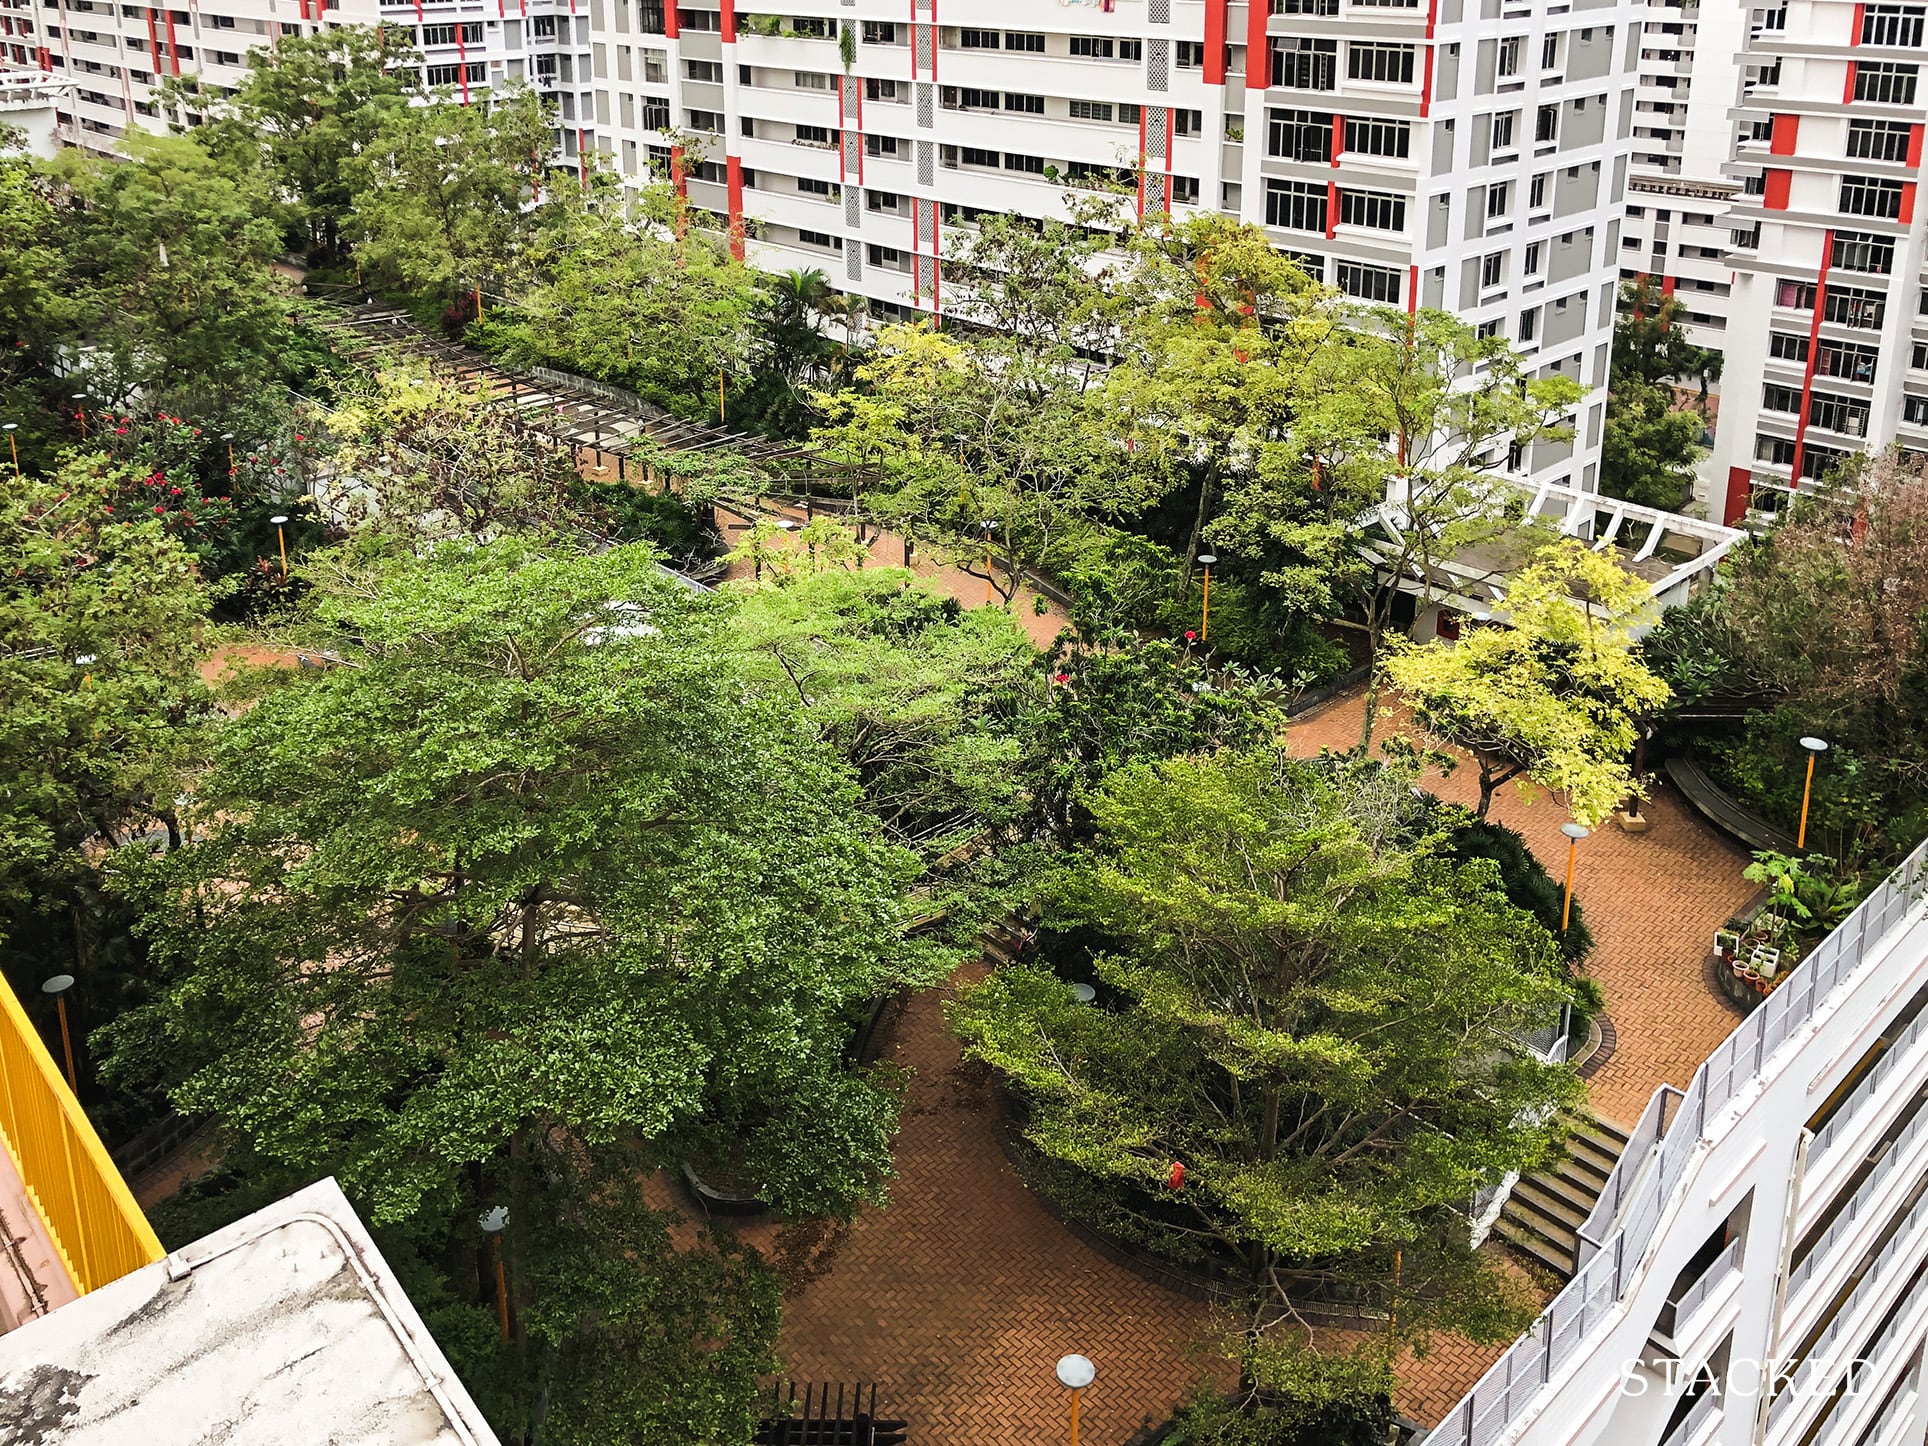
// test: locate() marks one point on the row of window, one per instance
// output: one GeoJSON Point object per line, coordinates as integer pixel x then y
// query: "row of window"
{"type": "Point", "coordinates": [1306, 206]}
{"type": "Point", "coordinates": [1304, 135]}
{"type": "Point", "coordinates": [1307, 63]}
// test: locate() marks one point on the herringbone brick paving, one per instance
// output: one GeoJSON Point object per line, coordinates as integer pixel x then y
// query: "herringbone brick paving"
{"type": "Point", "coordinates": [959, 1296]}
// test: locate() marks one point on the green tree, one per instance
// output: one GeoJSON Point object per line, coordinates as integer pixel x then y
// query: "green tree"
{"type": "Point", "coordinates": [634, 302]}
{"type": "Point", "coordinates": [170, 254]}
{"type": "Point", "coordinates": [524, 897]}
{"type": "Point", "coordinates": [1555, 693]}
{"type": "Point", "coordinates": [307, 108]}
{"type": "Point", "coordinates": [1649, 448]}
{"type": "Point", "coordinates": [33, 264]}
{"type": "Point", "coordinates": [1412, 418]}
{"type": "Point", "coordinates": [1650, 345]}
{"type": "Point", "coordinates": [443, 194]}
{"type": "Point", "coordinates": [101, 706]}
{"type": "Point", "coordinates": [1266, 922]}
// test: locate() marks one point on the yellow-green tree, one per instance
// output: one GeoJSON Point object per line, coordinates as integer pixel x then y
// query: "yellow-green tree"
{"type": "Point", "coordinates": [1554, 693]}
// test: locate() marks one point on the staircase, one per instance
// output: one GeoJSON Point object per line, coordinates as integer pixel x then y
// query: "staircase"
{"type": "Point", "coordinates": [1544, 1212]}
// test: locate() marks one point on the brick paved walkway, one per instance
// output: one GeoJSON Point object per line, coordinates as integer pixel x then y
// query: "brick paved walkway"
{"type": "Point", "coordinates": [959, 1298]}
{"type": "Point", "coordinates": [1653, 901]}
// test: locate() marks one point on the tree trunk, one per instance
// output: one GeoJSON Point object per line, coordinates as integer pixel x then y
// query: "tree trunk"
{"type": "Point", "coordinates": [1199, 519]}
{"type": "Point", "coordinates": [1269, 1131]}
{"type": "Point", "coordinates": [1489, 782]}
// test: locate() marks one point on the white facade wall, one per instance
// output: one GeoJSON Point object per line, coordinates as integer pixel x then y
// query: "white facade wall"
{"type": "Point", "coordinates": [1782, 1219]}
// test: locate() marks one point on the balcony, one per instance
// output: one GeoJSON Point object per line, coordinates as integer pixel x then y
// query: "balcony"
{"type": "Point", "coordinates": [72, 1224]}
{"type": "Point", "coordinates": [1682, 1312]}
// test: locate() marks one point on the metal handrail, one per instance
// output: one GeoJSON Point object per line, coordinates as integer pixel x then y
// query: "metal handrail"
{"type": "Point", "coordinates": [81, 1199]}
{"type": "Point", "coordinates": [1514, 1381]}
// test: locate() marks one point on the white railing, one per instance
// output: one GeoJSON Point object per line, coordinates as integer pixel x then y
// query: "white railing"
{"type": "Point", "coordinates": [1850, 1215]}
{"type": "Point", "coordinates": [1516, 1379]}
{"type": "Point", "coordinates": [1626, 1171]}
{"type": "Point", "coordinates": [1870, 1365]}
{"type": "Point", "coordinates": [1711, 1280]}
{"type": "Point", "coordinates": [1885, 1069]}
{"type": "Point", "coordinates": [1821, 1357]}
{"type": "Point", "coordinates": [1695, 1418]}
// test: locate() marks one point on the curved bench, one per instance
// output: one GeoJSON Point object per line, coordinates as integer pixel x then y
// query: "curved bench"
{"type": "Point", "coordinates": [1721, 809]}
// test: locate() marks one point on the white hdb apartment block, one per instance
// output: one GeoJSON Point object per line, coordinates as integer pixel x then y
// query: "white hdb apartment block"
{"type": "Point", "coordinates": [1756, 1272]}
{"type": "Point", "coordinates": [1828, 351]}
{"type": "Point", "coordinates": [1465, 154]}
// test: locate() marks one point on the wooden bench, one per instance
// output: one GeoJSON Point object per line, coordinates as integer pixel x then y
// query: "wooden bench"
{"type": "Point", "coordinates": [1721, 809]}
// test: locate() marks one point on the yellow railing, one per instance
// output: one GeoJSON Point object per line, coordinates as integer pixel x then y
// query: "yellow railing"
{"type": "Point", "coordinates": [83, 1202]}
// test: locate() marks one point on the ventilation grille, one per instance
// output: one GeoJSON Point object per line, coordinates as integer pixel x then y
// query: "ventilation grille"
{"type": "Point", "coordinates": [853, 254]}
{"type": "Point", "coordinates": [1158, 12]}
{"type": "Point", "coordinates": [926, 276]}
{"type": "Point", "coordinates": [852, 153]}
{"type": "Point", "coordinates": [853, 206]}
{"type": "Point", "coordinates": [1157, 128]}
{"type": "Point", "coordinates": [926, 106]}
{"type": "Point", "coordinates": [923, 40]}
{"type": "Point", "coordinates": [1158, 65]}
{"type": "Point", "coordinates": [927, 163]}
{"type": "Point", "coordinates": [849, 85]}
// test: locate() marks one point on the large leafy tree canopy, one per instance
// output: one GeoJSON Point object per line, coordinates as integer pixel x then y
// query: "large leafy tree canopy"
{"type": "Point", "coordinates": [98, 655]}
{"type": "Point", "coordinates": [527, 894]}
{"type": "Point", "coordinates": [1307, 1003]}
{"type": "Point", "coordinates": [1556, 694]}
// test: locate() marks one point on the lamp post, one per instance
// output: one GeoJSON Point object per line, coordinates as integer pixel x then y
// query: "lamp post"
{"type": "Point", "coordinates": [80, 413]}
{"type": "Point", "coordinates": [493, 1222]}
{"type": "Point", "coordinates": [1205, 560]}
{"type": "Point", "coordinates": [228, 437]}
{"type": "Point", "coordinates": [86, 660]}
{"type": "Point", "coordinates": [1815, 748]}
{"type": "Point", "coordinates": [58, 987]}
{"type": "Point", "coordinates": [13, 442]}
{"type": "Point", "coordinates": [280, 520]}
{"type": "Point", "coordinates": [989, 586]}
{"type": "Point", "coordinates": [1074, 1374]}
{"type": "Point", "coordinates": [1574, 833]}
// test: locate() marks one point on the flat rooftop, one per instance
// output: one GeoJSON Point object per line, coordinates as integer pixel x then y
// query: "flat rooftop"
{"type": "Point", "coordinates": [287, 1326]}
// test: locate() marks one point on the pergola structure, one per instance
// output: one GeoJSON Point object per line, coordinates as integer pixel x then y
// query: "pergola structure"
{"type": "Point", "coordinates": [1674, 554]}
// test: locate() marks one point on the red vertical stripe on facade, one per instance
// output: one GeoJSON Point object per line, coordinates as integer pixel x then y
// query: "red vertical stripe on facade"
{"type": "Point", "coordinates": [1215, 41]}
{"type": "Point", "coordinates": [173, 50]}
{"type": "Point", "coordinates": [1740, 483]}
{"type": "Point", "coordinates": [153, 40]}
{"type": "Point", "coordinates": [1775, 189]}
{"type": "Point", "coordinates": [1331, 209]}
{"type": "Point", "coordinates": [1667, 285]}
{"type": "Point", "coordinates": [1847, 94]}
{"type": "Point", "coordinates": [1908, 200]}
{"type": "Point", "coordinates": [1813, 354]}
{"type": "Point", "coordinates": [1338, 137]}
{"type": "Point", "coordinates": [1914, 148]}
{"type": "Point", "coordinates": [1782, 136]}
{"type": "Point", "coordinates": [733, 176]}
{"type": "Point", "coordinates": [729, 22]}
{"type": "Point", "coordinates": [670, 28]}
{"type": "Point", "coordinates": [1426, 86]}
{"type": "Point", "coordinates": [1860, 15]}
{"type": "Point", "coordinates": [1258, 51]}
{"type": "Point", "coordinates": [676, 176]}
{"type": "Point", "coordinates": [462, 51]}
{"type": "Point", "coordinates": [1144, 178]}
{"type": "Point", "coordinates": [1412, 291]}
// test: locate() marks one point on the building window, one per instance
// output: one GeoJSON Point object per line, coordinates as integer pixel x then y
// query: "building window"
{"type": "Point", "coordinates": [707, 20]}
{"type": "Point", "coordinates": [1023, 104]}
{"type": "Point", "coordinates": [1091, 110]}
{"type": "Point", "coordinates": [1375, 210]}
{"type": "Point", "coordinates": [704, 70]}
{"type": "Point", "coordinates": [882, 90]}
{"type": "Point", "coordinates": [1529, 323]}
{"type": "Point", "coordinates": [811, 80]}
{"type": "Point", "coordinates": [1777, 398]}
{"type": "Point", "coordinates": [1189, 54]}
{"type": "Point", "coordinates": [655, 113]}
{"type": "Point", "coordinates": [1299, 135]}
{"type": "Point", "coordinates": [1531, 265]}
{"type": "Point", "coordinates": [1885, 82]}
{"type": "Point", "coordinates": [1386, 64]}
{"type": "Point", "coordinates": [1847, 361]}
{"type": "Point", "coordinates": [1853, 307]}
{"type": "Point", "coordinates": [978, 156]}
{"type": "Point", "coordinates": [980, 40]}
{"type": "Point", "coordinates": [888, 201]}
{"type": "Point", "coordinates": [811, 186]}
{"type": "Point", "coordinates": [1867, 196]}
{"type": "Point", "coordinates": [1787, 348]}
{"type": "Point", "coordinates": [1499, 197]}
{"type": "Point", "coordinates": [1871, 140]}
{"type": "Point", "coordinates": [1895, 25]}
{"type": "Point", "coordinates": [1131, 50]}
{"type": "Point", "coordinates": [818, 238]}
{"type": "Point", "coordinates": [1503, 125]}
{"type": "Point", "coordinates": [1029, 165]}
{"type": "Point", "coordinates": [1777, 450]}
{"type": "Point", "coordinates": [1536, 192]}
{"type": "Point", "coordinates": [1379, 137]}
{"type": "Point", "coordinates": [1510, 56]}
{"type": "Point", "coordinates": [1550, 52]}
{"type": "Point", "coordinates": [1093, 47]}
{"type": "Point", "coordinates": [1305, 7]}
{"type": "Point", "coordinates": [1305, 64]}
{"type": "Point", "coordinates": [1029, 42]}
{"type": "Point", "coordinates": [1847, 415]}
{"type": "Point", "coordinates": [880, 32]}
{"type": "Point", "coordinates": [446, 34]}
{"type": "Point", "coordinates": [1546, 124]}
{"type": "Point", "coordinates": [1185, 190]}
{"type": "Point", "coordinates": [1918, 358]}
{"type": "Point", "coordinates": [1492, 270]}
{"type": "Point", "coordinates": [1369, 283]}
{"type": "Point", "coordinates": [880, 145]}
{"type": "Point", "coordinates": [1296, 205]}
{"type": "Point", "coordinates": [813, 135]}
{"type": "Point", "coordinates": [1914, 410]}
{"type": "Point", "coordinates": [1857, 251]}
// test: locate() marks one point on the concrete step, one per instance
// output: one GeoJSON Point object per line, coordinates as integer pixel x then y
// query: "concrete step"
{"type": "Point", "coordinates": [1551, 1200]}
{"type": "Point", "coordinates": [1535, 1247]}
